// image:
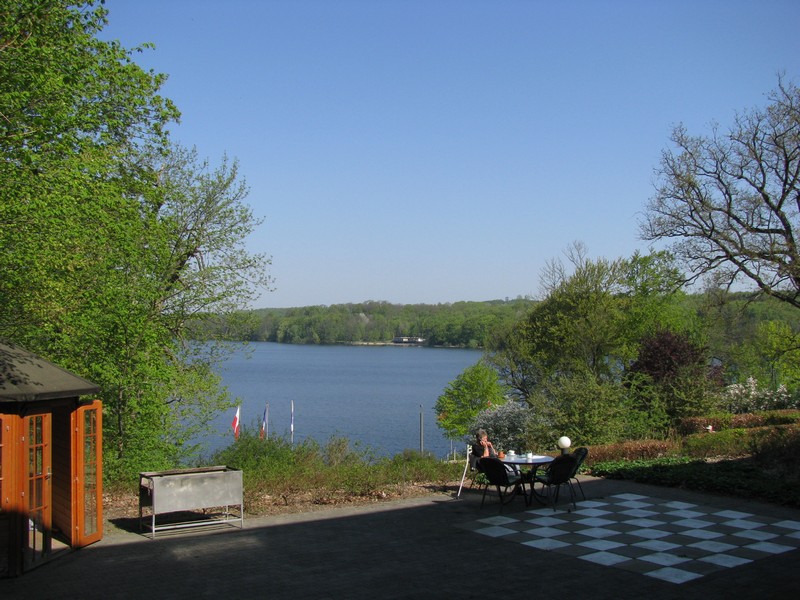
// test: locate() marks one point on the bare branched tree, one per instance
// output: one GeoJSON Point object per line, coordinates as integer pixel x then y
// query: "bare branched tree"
{"type": "Point", "coordinates": [730, 203]}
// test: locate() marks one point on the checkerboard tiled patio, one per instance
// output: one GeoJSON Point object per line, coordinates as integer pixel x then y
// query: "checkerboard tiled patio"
{"type": "Point", "coordinates": [673, 541]}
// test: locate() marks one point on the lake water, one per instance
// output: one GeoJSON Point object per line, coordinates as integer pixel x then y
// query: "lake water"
{"type": "Point", "coordinates": [373, 395]}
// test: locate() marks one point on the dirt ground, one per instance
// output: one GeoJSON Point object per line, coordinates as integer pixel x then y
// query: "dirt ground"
{"type": "Point", "coordinates": [125, 505]}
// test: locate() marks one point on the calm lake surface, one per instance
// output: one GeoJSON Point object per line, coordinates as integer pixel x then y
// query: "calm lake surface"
{"type": "Point", "coordinates": [372, 395]}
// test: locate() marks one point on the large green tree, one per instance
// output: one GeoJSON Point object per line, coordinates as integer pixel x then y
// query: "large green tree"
{"type": "Point", "coordinates": [567, 357]}
{"type": "Point", "coordinates": [473, 391]}
{"type": "Point", "coordinates": [114, 242]}
{"type": "Point", "coordinates": [590, 321]}
{"type": "Point", "coordinates": [71, 109]}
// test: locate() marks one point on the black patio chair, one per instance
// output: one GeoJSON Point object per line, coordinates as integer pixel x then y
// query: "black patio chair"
{"type": "Point", "coordinates": [558, 473]}
{"type": "Point", "coordinates": [580, 454]}
{"type": "Point", "coordinates": [501, 478]}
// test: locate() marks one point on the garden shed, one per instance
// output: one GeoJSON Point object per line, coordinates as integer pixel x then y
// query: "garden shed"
{"type": "Point", "coordinates": [50, 461]}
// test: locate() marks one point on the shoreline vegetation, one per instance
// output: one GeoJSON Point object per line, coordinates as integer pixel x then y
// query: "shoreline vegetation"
{"type": "Point", "coordinates": [455, 325]}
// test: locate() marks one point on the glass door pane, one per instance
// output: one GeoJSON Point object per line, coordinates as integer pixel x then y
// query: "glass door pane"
{"type": "Point", "coordinates": [89, 470]}
{"type": "Point", "coordinates": [90, 511]}
{"type": "Point", "coordinates": [39, 471]}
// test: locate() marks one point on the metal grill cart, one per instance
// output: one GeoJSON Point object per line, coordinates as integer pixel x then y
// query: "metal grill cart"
{"type": "Point", "coordinates": [178, 495]}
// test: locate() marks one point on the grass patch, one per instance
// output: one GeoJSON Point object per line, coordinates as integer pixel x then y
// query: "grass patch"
{"type": "Point", "coordinates": [278, 474]}
{"type": "Point", "coordinates": [729, 443]}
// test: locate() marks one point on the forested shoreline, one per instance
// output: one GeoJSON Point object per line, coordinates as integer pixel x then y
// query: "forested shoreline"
{"type": "Point", "coordinates": [732, 319]}
{"type": "Point", "coordinates": [460, 324]}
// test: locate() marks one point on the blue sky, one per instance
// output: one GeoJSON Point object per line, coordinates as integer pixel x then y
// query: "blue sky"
{"type": "Point", "coordinates": [431, 151]}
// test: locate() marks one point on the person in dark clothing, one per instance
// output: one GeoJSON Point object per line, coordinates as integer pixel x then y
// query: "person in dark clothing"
{"type": "Point", "coordinates": [482, 446]}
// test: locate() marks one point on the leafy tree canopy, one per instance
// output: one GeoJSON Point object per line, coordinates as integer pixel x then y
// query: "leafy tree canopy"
{"type": "Point", "coordinates": [113, 238]}
{"type": "Point", "coordinates": [474, 390]}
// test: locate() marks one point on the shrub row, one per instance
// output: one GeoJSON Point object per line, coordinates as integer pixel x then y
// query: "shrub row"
{"type": "Point", "coordinates": [632, 450]}
{"type": "Point", "coordinates": [759, 462]}
{"type": "Point", "coordinates": [744, 478]}
{"type": "Point", "coordinates": [719, 422]}
{"type": "Point", "coordinates": [768, 443]}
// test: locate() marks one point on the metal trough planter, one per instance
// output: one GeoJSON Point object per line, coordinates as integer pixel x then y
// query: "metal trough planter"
{"type": "Point", "coordinates": [188, 490]}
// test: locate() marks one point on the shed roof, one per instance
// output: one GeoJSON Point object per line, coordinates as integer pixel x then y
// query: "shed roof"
{"type": "Point", "coordinates": [25, 377]}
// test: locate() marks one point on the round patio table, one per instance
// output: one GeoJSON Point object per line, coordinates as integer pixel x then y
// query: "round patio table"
{"type": "Point", "coordinates": [534, 462]}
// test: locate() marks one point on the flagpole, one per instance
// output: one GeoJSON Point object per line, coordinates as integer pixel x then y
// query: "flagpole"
{"type": "Point", "coordinates": [421, 437]}
{"type": "Point", "coordinates": [264, 433]}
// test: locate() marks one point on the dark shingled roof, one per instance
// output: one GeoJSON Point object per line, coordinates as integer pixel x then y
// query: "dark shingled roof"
{"type": "Point", "coordinates": [25, 377]}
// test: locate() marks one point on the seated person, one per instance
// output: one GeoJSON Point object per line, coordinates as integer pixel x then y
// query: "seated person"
{"type": "Point", "coordinates": [482, 447]}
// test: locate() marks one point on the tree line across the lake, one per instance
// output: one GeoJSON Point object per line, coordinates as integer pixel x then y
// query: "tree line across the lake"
{"type": "Point", "coordinates": [733, 319]}
{"type": "Point", "coordinates": [460, 324]}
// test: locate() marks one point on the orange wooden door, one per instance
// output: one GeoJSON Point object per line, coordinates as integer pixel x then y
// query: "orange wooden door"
{"type": "Point", "coordinates": [37, 492]}
{"type": "Point", "coordinates": [9, 498]}
{"type": "Point", "coordinates": [6, 468]}
{"type": "Point", "coordinates": [87, 471]}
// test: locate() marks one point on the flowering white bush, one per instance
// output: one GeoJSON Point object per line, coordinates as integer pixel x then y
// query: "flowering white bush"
{"type": "Point", "coordinates": [505, 425]}
{"type": "Point", "coordinates": [748, 397]}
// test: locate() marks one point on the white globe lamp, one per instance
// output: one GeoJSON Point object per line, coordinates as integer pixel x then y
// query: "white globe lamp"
{"type": "Point", "coordinates": [564, 443]}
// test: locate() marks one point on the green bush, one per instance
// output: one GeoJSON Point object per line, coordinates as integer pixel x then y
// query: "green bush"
{"type": "Point", "coordinates": [414, 467]}
{"type": "Point", "coordinates": [655, 470]}
{"type": "Point", "coordinates": [505, 424]}
{"type": "Point", "coordinates": [275, 472]}
{"type": "Point", "coordinates": [691, 425]}
{"type": "Point", "coordinates": [729, 442]}
{"type": "Point", "coordinates": [781, 417]}
{"type": "Point", "coordinates": [778, 448]}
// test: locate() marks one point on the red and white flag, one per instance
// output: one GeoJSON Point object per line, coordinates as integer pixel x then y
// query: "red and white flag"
{"type": "Point", "coordinates": [235, 423]}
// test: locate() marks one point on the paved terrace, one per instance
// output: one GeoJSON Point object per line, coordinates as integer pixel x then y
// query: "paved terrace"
{"type": "Point", "coordinates": [625, 541]}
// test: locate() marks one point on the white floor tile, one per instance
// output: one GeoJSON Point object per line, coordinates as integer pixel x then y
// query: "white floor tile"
{"type": "Point", "coordinates": [733, 514]}
{"type": "Point", "coordinates": [769, 547]}
{"type": "Point", "coordinates": [658, 545]}
{"type": "Point", "coordinates": [496, 531]}
{"type": "Point", "coordinates": [664, 559]}
{"type": "Point", "coordinates": [673, 575]}
{"type": "Point", "coordinates": [650, 534]}
{"type": "Point", "coordinates": [600, 544]}
{"type": "Point", "coordinates": [725, 560]}
{"type": "Point", "coordinates": [712, 546]}
{"type": "Point", "coordinates": [605, 558]}
{"type": "Point", "coordinates": [546, 544]}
